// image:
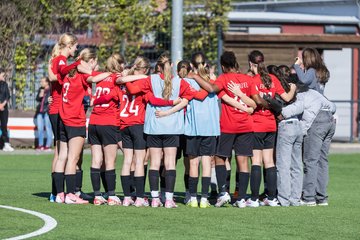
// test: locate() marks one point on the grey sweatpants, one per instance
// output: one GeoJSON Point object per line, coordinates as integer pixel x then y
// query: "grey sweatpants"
{"type": "Point", "coordinates": [289, 162]}
{"type": "Point", "coordinates": [316, 149]}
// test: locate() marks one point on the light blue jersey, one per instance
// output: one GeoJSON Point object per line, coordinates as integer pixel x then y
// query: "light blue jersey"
{"type": "Point", "coordinates": [169, 125]}
{"type": "Point", "coordinates": [202, 117]}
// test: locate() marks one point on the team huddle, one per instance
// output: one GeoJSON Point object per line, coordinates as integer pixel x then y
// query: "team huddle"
{"type": "Point", "coordinates": [272, 116]}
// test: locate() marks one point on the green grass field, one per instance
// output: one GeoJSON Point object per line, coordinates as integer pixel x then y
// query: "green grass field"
{"type": "Point", "coordinates": [25, 183]}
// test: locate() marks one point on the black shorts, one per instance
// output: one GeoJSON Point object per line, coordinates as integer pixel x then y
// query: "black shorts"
{"type": "Point", "coordinates": [242, 143]}
{"type": "Point", "coordinates": [162, 141]}
{"type": "Point", "coordinates": [264, 140]}
{"type": "Point", "coordinates": [200, 145]}
{"type": "Point", "coordinates": [133, 137]}
{"type": "Point", "coordinates": [181, 150]}
{"type": "Point", "coordinates": [118, 134]}
{"type": "Point", "coordinates": [103, 134]}
{"type": "Point", "coordinates": [55, 125]}
{"type": "Point", "coordinates": [68, 132]}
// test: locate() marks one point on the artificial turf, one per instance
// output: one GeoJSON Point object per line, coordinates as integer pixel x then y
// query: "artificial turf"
{"type": "Point", "coordinates": [25, 183]}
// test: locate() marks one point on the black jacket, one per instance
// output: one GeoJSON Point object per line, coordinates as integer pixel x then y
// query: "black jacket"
{"type": "Point", "coordinates": [4, 92]}
{"type": "Point", "coordinates": [39, 99]}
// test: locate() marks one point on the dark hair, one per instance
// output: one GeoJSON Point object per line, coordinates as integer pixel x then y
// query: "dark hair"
{"type": "Point", "coordinates": [183, 68]}
{"type": "Point", "coordinates": [272, 69]}
{"type": "Point", "coordinates": [256, 57]}
{"type": "Point", "coordinates": [283, 74]}
{"type": "Point", "coordinates": [2, 70]}
{"type": "Point", "coordinates": [228, 61]}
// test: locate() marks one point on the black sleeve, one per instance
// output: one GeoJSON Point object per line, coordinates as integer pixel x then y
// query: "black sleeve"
{"type": "Point", "coordinates": [38, 98]}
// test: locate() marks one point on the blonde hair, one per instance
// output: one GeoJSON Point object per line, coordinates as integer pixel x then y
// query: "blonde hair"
{"type": "Point", "coordinates": [86, 55]}
{"type": "Point", "coordinates": [140, 63]}
{"type": "Point", "coordinates": [312, 59]}
{"type": "Point", "coordinates": [198, 61]}
{"type": "Point", "coordinates": [165, 68]}
{"type": "Point", "coordinates": [114, 63]}
{"type": "Point", "coordinates": [64, 40]}
{"type": "Point", "coordinates": [183, 68]}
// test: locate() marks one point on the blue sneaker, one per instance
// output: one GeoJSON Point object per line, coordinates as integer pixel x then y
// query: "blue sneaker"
{"type": "Point", "coordinates": [52, 198]}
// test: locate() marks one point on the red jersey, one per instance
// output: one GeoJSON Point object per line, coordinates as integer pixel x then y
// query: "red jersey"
{"type": "Point", "coordinates": [105, 114]}
{"type": "Point", "coordinates": [264, 120]}
{"type": "Point", "coordinates": [233, 120]}
{"type": "Point", "coordinates": [60, 69]}
{"type": "Point", "coordinates": [144, 86]}
{"type": "Point", "coordinates": [72, 109]}
{"type": "Point", "coordinates": [132, 106]}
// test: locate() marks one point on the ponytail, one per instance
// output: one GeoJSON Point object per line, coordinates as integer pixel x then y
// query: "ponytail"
{"type": "Point", "coordinates": [198, 61]}
{"type": "Point", "coordinates": [256, 57]}
{"type": "Point", "coordinates": [168, 81]}
{"type": "Point", "coordinates": [165, 68]}
{"type": "Point", "coordinates": [183, 68]}
{"type": "Point", "coordinates": [55, 51]}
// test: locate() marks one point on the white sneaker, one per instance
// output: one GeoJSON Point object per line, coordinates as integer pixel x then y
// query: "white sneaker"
{"type": "Point", "coordinates": [251, 203]}
{"type": "Point", "coordinates": [271, 203]}
{"type": "Point", "coordinates": [222, 200]}
{"type": "Point", "coordinates": [7, 148]}
{"type": "Point", "coordinates": [323, 204]}
{"type": "Point", "coordinates": [240, 203]}
{"type": "Point", "coordinates": [309, 204]}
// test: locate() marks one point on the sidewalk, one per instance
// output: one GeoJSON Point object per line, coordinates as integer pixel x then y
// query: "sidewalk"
{"type": "Point", "coordinates": [334, 148]}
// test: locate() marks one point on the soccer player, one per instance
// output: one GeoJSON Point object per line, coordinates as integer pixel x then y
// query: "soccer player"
{"type": "Point", "coordinates": [72, 129]}
{"type": "Point", "coordinates": [103, 132]}
{"type": "Point", "coordinates": [264, 129]}
{"type": "Point", "coordinates": [235, 125]}
{"type": "Point", "coordinates": [163, 133]}
{"type": "Point", "coordinates": [58, 69]}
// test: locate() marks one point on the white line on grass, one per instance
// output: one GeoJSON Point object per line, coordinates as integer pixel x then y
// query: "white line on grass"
{"type": "Point", "coordinates": [50, 223]}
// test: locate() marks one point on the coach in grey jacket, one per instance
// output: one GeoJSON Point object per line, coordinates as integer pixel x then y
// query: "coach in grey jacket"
{"type": "Point", "coordinates": [318, 126]}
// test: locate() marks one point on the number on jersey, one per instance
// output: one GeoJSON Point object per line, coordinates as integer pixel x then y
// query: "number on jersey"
{"type": "Point", "coordinates": [132, 108]}
{"type": "Point", "coordinates": [241, 102]}
{"type": "Point", "coordinates": [66, 87]}
{"type": "Point", "coordinates": [102, 91]}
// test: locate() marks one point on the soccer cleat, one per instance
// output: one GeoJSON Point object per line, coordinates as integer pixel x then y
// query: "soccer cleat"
{"type": "Point", "coordinates": [84, 196]}
{"type": "Point", "coordinates": [7, 148]}
{"type": "Point", "coordinates": [309, 204]}
{"type": "Point", "coordinates": [141, 202]}
{"type": "Point", "coordinates": [128, 202]}
{"type": "Point", "coordinates": [99, 200]}
{"type": "Point", "coordinates": [223, 199]}
{"type": "Point", "coordinates": [60, 197]}
{"type": "Point", "coordinates": [114, 201]}
{"type": "Point", "coordinates": [240, 203]}
{"type": "Point", "coordinates": [251, 203]}
{"type": "Point", "coordinates": [204, 204]}
{"type": "Point", "coordinates": [73, 199]}
{"type": "Point", "coordinates": [170, 204]}
{"type": "Point", "coordinates": [271, 203]}
{"type": "Point", "coordinates": [155, 202]}
{"type": "Point", "coordinates": [192, 203]}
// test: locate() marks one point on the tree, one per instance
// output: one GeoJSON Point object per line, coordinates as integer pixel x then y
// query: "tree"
{"type": "Point", "coordinates": [20, 21]}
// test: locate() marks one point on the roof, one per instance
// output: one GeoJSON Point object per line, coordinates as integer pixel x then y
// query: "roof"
{"type": "Point", "coordinates": [276, 17]}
